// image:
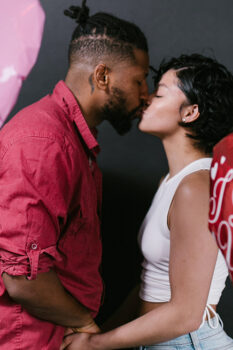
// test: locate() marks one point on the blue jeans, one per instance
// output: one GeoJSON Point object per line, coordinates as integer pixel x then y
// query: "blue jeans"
{"type": "Point", "coordinates": [205, 338]}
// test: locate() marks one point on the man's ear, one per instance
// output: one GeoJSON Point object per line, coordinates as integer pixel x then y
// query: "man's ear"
{"type": "Point", "coordinates": [101, 76]}
{"type": "Point", "coordinates": [190, 113]}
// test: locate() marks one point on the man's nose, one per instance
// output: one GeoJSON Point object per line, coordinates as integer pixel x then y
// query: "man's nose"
{"type": "Point", "coordinates": [144, 92]}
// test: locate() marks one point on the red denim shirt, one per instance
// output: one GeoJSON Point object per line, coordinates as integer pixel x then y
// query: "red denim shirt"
{"type": "Point", "coordinates": [221, 198]}
{"type": "Point", "coordinates": [50, 203]}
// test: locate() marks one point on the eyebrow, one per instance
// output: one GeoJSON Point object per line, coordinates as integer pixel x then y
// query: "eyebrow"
{"type": "Point", "coordinates": [162, 85]}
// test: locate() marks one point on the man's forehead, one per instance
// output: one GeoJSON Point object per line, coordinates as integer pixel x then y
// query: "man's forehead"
{"type": "Point", "coordinates": [141, 57]}
{"type": "Point", "coordinates": [139, 63]}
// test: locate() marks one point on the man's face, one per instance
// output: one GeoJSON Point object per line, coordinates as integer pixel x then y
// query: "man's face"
{"type": "Point", "coordinates": [128, 93]}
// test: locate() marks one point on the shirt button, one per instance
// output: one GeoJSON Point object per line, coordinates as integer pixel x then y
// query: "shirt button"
{"type": "Point", "coordinates": [34, 246]}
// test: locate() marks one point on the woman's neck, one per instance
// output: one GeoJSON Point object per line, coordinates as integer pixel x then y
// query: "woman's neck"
{"type": "Point", "coordinates": [180, 152]}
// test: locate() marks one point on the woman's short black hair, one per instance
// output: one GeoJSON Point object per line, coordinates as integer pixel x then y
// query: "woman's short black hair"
{"type": "Point", "coordinates": [208, 84]}
{"type": "Point", "coordinates": [103, 34]}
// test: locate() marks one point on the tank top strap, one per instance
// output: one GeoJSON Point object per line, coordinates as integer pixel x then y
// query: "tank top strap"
{"type": "Point", "coordinates": [199, 164]}
{"type": "Point", "coordinates": [213, 322]}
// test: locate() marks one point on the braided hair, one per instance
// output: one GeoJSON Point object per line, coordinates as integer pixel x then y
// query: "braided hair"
{"type": "Point", "coordinates": [209, 84]}
{"type": "Point", "coordinates": [102, 34]}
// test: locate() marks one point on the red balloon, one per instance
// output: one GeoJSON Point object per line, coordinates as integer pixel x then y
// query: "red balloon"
{"type": "Point", "coordinates": [221, 198]}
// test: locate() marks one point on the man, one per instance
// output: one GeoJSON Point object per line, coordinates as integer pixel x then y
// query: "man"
{"type": "Point", "coordinates": [50, 248]}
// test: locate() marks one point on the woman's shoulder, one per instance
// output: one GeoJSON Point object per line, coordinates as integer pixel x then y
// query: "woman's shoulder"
{"type": "Point", "coordinates": [190, 204]}
{"type": "Point", "coordinates": [193, 187]}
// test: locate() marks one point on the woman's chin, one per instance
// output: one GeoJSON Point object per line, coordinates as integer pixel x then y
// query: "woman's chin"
{"type": "Point", "coordinates": [144, 128]}
{"type": "Point", "coordinates": [141, 126]}
{"type": "Point", "coordinates": [148, 130]}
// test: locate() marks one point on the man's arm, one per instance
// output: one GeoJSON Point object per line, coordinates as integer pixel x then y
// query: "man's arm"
{"type": "Point", "coordinates": [47, 299]}
{"type": "Point", "coordinates": [33, 199]}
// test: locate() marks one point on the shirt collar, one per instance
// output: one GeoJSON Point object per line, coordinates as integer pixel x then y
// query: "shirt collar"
{"type": "Point", "coordinates": [65, 98]}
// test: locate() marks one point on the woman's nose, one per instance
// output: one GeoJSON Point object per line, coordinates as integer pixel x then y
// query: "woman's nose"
{"type": "Point", "coordinates": [150, 98]}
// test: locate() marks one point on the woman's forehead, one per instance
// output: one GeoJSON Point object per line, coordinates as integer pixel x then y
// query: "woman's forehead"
{"type": "Point", "coordinates": [169, 79]}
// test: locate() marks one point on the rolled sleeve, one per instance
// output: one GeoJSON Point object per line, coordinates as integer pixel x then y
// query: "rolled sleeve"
{"type": "Point", "coordinates": [36, 260]}
{"type": "Point", "coordinates": [33, 204]}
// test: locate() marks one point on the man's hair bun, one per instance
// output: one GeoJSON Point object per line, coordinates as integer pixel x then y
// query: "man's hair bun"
{"type": "Point", "coordinates": [80, 14]}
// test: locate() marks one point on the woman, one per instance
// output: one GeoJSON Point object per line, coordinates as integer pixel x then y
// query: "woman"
{"type": "Point", "coordinates": [183, 273]}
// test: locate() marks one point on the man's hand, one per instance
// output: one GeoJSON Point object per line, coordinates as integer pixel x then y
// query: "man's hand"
{"type": "Point", "coordinates": [78, 338]}
{"type": "Point", "coordinates": [77, 341]}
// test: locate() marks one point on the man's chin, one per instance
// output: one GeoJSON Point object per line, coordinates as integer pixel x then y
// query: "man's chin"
{"type": "Point", "coordinates": [123, 131]}
{"type": "Point", "coordinates": [137, 116]}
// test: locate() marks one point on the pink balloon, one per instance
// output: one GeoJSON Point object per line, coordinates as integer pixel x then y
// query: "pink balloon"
{"type": "Point", "coordinates": [21, 29]}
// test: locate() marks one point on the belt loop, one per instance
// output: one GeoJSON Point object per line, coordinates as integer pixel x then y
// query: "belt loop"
{"type": "Point", "coordinates": [195, 340]}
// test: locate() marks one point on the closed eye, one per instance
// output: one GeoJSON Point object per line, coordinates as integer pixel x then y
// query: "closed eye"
{"type": "Point", "coordinates": [156, 94]}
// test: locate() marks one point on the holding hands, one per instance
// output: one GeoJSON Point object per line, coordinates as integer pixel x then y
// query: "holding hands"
{"type": "Point", "coordinates": [79, 338]}
{"type": "Point", "coordinates": [77, 341]}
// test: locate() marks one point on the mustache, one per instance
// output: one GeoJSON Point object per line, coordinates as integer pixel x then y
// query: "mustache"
{"type": "Point", "coordinates": [138, 110]}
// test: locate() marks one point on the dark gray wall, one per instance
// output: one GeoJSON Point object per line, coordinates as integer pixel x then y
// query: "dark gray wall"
{"type": "Point", "coordinates": [133, 164]}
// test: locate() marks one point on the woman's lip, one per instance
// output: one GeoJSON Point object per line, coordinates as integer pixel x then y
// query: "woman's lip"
{"type": "Point", "coordinates": [144, 112]}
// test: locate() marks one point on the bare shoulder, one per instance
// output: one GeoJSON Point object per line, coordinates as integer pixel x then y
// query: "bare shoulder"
{"type": "Point", "coordinates": [195, 185]}
{"type": "Point", "coordinates": [191, 199]}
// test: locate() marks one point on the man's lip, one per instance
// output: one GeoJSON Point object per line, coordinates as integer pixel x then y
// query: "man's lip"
{"type": "Point", "coordinates": [140, 112]}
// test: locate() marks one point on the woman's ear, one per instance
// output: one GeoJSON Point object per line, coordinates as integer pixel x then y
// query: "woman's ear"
{"type": "Point", "coordinates": [101, 76]}
{"type": "Point", "coordinates": [190, 113]}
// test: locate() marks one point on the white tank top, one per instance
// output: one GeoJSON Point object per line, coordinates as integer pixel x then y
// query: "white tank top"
{"type": "Point", "coordinates": [154, 238]}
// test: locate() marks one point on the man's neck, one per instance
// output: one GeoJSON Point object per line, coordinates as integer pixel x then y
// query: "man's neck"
{"type": "Point", "coordinates": [82, 92]}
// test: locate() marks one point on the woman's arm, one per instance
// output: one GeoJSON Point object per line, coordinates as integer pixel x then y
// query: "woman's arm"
{"type": "Point", "coordinates": [193, 256]}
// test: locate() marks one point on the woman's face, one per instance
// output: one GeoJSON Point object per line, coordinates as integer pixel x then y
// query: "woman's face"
{"type": "Point", "coordinates": [164, 113]}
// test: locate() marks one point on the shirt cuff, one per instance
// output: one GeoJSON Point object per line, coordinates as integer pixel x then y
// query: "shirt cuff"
{"type": "Point", "coordinates": [36, 260]}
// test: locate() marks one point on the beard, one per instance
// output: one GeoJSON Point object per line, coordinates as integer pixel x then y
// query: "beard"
{"type": "Point", "coordinates": [116, 113]}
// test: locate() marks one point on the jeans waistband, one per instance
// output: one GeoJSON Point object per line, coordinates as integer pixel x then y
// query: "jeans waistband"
{"type": "Point", "coordinates": [195, 337]}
